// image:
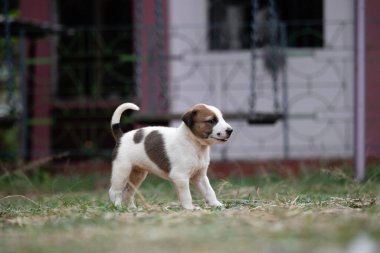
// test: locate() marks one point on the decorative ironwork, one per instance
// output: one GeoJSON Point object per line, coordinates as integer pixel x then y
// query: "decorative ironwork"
{"type": "Point", "coordinates": [320, 98]}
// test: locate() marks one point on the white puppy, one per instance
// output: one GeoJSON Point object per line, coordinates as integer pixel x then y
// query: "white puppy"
{"type": "Point", "coordinates": [180, 155]}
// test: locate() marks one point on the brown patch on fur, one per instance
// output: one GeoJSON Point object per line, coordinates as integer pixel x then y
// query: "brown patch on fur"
{"type": "Point", "coordinates": [116, 131]}
{"type": "Point", "coordinates": [200, 120]}
{"type": "Point", "coordinates": [114, 152]}
{"type": "Point", "coordinates": [138, 136]}
{"type": "Point", "coordinates": [136, 177]}
{"type": "Point", "coordinates": [155, 149]}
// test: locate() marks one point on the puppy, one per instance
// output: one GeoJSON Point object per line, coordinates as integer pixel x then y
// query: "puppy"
{"type": "Point", "coordinates": [181, 155]}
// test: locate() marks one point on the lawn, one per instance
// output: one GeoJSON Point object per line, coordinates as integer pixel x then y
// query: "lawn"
{"type": "Point", "coordinates": [323, 211]}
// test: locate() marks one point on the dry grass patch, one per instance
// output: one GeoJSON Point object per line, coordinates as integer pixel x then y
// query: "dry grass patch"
{"type": "Point", "coordinates": [321, 212]}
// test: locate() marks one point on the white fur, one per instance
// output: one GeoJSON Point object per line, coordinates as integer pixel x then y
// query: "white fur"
{"type": "Point", "coordinates": [189, 159]}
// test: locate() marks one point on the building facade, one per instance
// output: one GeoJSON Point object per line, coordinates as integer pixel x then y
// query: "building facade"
{"type": "Point", "coordinates": [168, 55]}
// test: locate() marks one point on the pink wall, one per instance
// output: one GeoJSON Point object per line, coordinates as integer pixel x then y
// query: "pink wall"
{"type": "Point", "coordinates": [39, 131]}
{"type": "Point", "coordinates": [151, 102]}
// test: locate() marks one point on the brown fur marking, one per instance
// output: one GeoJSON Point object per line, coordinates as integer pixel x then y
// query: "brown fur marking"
{"type": "Point", "coordinates": [115, 150]}
{"type": "Point", "coordinates": [116, 131]}
{"type": "Point", "coordinates": [155, 149]}
{"type": "Point", "coordinates": [136, 177]}
{"type": "Point", "coordinates": [197, 119]}
{"type": "Point", "coordinates": [138, 136]}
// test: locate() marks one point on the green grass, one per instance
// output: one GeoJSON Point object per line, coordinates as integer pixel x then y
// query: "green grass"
{"type": "Point", "coordinates": [323, 211]}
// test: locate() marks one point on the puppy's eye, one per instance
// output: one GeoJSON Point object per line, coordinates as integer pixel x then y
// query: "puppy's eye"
{"type": "Point", "coordinates": [212, 121]}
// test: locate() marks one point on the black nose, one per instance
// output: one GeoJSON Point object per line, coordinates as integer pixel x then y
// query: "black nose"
{"type": "Point", "coordinates": [229, 131]}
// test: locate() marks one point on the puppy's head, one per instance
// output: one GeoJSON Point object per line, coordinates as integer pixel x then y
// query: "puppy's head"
{"type": "Point", "coordinates": [206, 122]}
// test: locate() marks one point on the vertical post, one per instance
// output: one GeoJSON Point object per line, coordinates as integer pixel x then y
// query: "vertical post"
{"type": "Point", "coordinates": [24, 99]}
{"type": "Point", "coordinates": [8, 56]}
{"type": "Point", "coordinates": [285, 126]}
{"type": "Point", "coordinates": [149, 65]}
{"type": "Point", "coordinates": [39, 83]}
{"type": "Point", "coordinates": [252, 100]}
{"type": "Point", "coordinates": [160, 55]}
{"type": "Point", "coordinates": [274, 52]}
{"type": "Point", "coordinates": [152, 70]}
{"type": "Point", "coordinates": [137, 40]}
{"type": "Point", "coordinates": [360, 152]}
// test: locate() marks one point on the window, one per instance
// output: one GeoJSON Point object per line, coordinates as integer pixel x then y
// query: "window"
{"type": "Point", "coordinates": [93, 60]}
{"type": "Point", "coordinates": [230, 23]}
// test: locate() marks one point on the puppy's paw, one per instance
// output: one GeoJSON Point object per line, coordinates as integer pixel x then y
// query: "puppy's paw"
{"type": "Point", "coordinates": [191, 208]}
{"type": "Point", "coordinates": [117, 202]}
{"type": "Point", "coordinates": [116, 197]}
{"type": "Point", "coordinates": [196, 208]}
{"type": "Point", "coordinates": [217, 205]}
{"type": "Point", "coordinates": [132, 206]}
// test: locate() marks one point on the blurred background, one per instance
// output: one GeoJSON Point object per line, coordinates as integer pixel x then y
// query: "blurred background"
{"type": "Point", "coordinates": [283, 72]}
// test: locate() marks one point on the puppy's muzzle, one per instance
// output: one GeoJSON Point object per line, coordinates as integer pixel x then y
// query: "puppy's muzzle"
{"type": "Point", "coordinates": [229, 132]}
{"type": "Point", "coordinates": [224, 136]}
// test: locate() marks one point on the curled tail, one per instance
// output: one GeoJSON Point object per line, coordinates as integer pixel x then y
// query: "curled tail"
{"type": "Point", "coordinates": [115, 121]}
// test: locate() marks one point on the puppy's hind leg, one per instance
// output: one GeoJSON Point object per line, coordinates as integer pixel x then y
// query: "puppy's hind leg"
{"type": "Point", "coordinates": [136, 177]}
{"type": "Point", "coordinates": [119, 179]}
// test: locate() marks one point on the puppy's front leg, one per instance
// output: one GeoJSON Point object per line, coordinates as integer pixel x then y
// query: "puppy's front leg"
{"type": "Point", "coordinates": [204, 186]}
{"type": "Point", "coordinates": [184, 195]}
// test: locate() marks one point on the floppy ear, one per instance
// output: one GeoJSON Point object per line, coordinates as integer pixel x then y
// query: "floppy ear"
{"type": "Point", "coordinates": [188, 118]}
